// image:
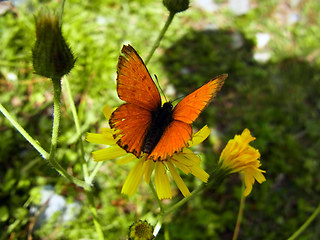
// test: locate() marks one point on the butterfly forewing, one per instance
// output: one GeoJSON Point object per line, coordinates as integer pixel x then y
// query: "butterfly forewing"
{"type": "Point", "coordinates": [134, 83]}
{"type": "Point", "coordinates": [189, 108]}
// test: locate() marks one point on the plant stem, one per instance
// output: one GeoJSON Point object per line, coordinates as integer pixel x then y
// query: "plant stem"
{"type": "Point", "coordinates": [56, 116]}
{"type": "Point", "coordinates": [240, 215]}
{"type": "Point", "coordinates": [217, 176]}
{"type": "Point", "coordinates": [94, 172]}
{"type": "Point", "coordinates": [23, 132]}
{"type": "Point", "coordinates": [161, 34]}
{"type": "Point", "coordinates": [42, 152]}
{"type": "Point", "coordinates": [77, 125]}
{"type": "Point", "coordinates": [306, 224]}
{"type": "Point", "coordinates": [94, 213]}
{"type": "Point", "coordinates": [184, 200]}
{"type": "Point", "coordinates": [55, 132]}
{"type": "Point", "coordinates": [61, 11]}
{"type": "Point", "coordinates": [88, 190]}
{"type": "Point", "coordinates": [156, 197]}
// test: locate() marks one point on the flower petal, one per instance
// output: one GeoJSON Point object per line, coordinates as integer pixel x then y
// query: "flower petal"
{"type": "Point", "coordinates": [108, 153]}
{"type": "Point", "coordinates": [239, 156]}
{"type": "Point", "coordinates": [200, 136]}
{"type": "Point", "coordinates": [126, 159]}
{"type": "Point", "coordinates": [183, 188]}
{"type": "Point", "coordinates": [191, 156]}
{"type": "Point", "coordinates": [162, 182]}
{"type": "Point", "coordinates": [134, 178]}
{"type": "Point", "coordinates": [107, 111]}
{"type": "Point", "coordinates": [149, 166]}
{"type": "Point", "coordinates": [198, 172]}
{"type": "Point", "coordinates": [100, 138]}
{"type": "Point", "coordinates": [185, 169]}
{"type": "Point", "coordinates": [249, 181]}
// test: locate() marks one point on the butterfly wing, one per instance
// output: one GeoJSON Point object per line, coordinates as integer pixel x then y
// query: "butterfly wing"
{"type": "Point", "coordinates": [189, 108]}
{"type": "Point", "coordinates": [135, 86]}
{"type": "Point", "coordinates": [134, 83]}
{"type": "Point", "coordinates": [131, 123]}
{"type": "Point", "coordinates": [174, 138]}
{"type": "Point", "coordinates": [179, 132]}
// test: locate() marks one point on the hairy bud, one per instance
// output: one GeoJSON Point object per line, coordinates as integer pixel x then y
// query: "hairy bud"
{"type": "Point", "coordinates": [52, 57]}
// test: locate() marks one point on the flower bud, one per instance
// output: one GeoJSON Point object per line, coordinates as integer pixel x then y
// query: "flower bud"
{"type": "Point", "coordinates": [141, 230]}
{"type": "Point", "coordinates": [175, 6]}
{"type": "Point", "coordinates": [52, 57]}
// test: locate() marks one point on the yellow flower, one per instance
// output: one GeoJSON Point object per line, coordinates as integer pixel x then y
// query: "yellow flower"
{"type": "Point", "coordinates": [239, 156]}
{"type": "Point", "coordinates": [186, 161]}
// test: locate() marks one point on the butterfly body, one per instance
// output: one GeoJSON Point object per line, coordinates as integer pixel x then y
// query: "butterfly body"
{"type": "Point", "coordinates": [143, 125]}
{"type": "Point", "coordinates": [160, 120]}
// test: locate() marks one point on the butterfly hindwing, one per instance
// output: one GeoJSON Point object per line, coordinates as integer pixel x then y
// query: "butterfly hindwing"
{"type": "Point", "coordinates": [134, 83]}
{"type": "Point", "coordinates": [174, 138]}
{"type": "Point", "coordinates": [131, 123]}
{"type": "Point", "coordinates": [189, 108]}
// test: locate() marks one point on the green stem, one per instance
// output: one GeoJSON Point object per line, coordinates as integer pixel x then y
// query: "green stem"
{"type": "Point", "coordinates": [161, 34]}
{"type": "Point", "coordinates": [23, 132]}
{"type": "Point", "coordinates": [166, 233]}
{"type": "Point", "coordinates": [77, 125]}
{"type": "Point", "coordinates": [43, 153]}
{"type": "Point", "coordinates": [240, 215]}
{"type": "Point", "coordinates": [156, 197]}
{"type": "Point", "coordinates": [61, 11]}
{"type": "Point", "coordinates": [94, 172]}
{"type": "Point", "coordinates": [55, 132]}
{"type": "Point", "coordinates": [184, 200]}
{"type": "Point", "coordinates": [56, 116]}
{"type": "Point", "coordinates": [88, 190]}
{"type": "Point", "coordinates": [217, 176]}
{"type": "Point", "coordinates": [306, 224]}
{"type": "Point", "coordinates": [94, 213]}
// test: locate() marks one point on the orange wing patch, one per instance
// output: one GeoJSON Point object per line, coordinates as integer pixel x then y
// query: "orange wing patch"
{"type": "Point", "coordinates": [134, 83]}
{"type": "Point", "coordinates": [132, 123]}
{"type": "Point", "coordinates": [189, 108]}
{"type": "Point", "coordinates": [173, 140]}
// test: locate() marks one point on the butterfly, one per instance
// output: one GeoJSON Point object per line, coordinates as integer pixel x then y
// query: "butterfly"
{"type": "Point", "coordinates": [143, 125]}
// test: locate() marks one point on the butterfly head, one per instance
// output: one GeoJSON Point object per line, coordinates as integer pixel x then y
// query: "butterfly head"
{"type": "Point", "coordinates": [167, 106]}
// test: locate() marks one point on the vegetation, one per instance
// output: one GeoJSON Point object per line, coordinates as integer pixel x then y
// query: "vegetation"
{"type": "Point", "coordinates": [277, 98]}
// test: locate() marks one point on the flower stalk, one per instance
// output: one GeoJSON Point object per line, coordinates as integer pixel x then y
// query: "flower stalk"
{"type": "Point", "coordinates": [156, 197]}
{"type": "Point", "coordinates": [160, 36]}
{"type": "Point", "coordinates": [84, 163]}
{"type": "Point", "coordinates": [78, 131]}
{"type": "Point", "coordinates": [215, 180]}
{"type": "Point", "coordinates": [240, 215]}
{"type": "Point", "coordinates": [42, 152]}
{"type": "Point", "coordinates": [55, 132]}
{"type": "Point", "coordinates": [56, 116]}
{"type": "Point", "coordinates": [24, 133]}
{"type": "Point", "coordinates": [306, 224]}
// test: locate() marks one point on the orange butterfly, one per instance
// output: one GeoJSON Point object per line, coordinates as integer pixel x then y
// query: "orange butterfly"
{"type": "Point", "coordinates": [143, 124]}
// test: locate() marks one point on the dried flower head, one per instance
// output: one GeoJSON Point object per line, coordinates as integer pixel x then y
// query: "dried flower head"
{"type": "Point", "coordinates": [141, 230]}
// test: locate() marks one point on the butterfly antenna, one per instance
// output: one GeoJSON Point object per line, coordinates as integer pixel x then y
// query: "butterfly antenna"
{"type": "Point", "coordinates": [177, 99]}
{"type": "Point", "coordinates": [160, 88]}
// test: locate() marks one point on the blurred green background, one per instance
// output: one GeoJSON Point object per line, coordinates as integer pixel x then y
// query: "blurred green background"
{"type": "Point", "coordinates": [270, 49]}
